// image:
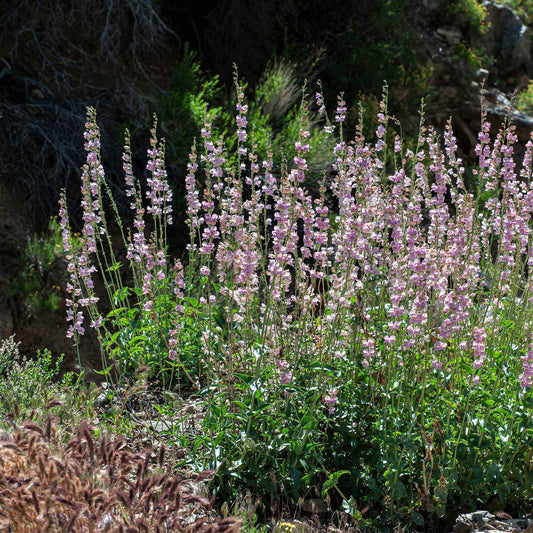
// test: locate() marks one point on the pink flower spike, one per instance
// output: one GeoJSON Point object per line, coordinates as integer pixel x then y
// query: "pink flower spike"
{"type": "Point", "coordinates": [286, 377]}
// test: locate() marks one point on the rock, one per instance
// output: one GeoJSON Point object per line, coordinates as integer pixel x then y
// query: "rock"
{"type": "Point", "coordinates": [481, 75]}
{"type": "Point", "coordinates": [430, 5]}
{"type": "Point", "coordinates": [522, 83]}
{"type": "Point", "coordinates": [159, 426]}
{"type": "Point", "coordinates": [466, 523]}
{"type": "Point", "coordinates": [101, 401]}
{"type": "Point", "coordinates": [315, 506]}
{"type": "Point", "coordinates": [507, 39]}
{"type": "Point", "coordinates": [450, 92]}
{"type": "Point", "coordinates": [523, 123]}
{"type": "Point", "coordinates": [452, 36]}
{"type": "Point", "coordinates": [442, 73]}
{"type": "Point", "coordinates": [497, 105]}
{"type": "Point", "coordinates": [483, 521]}
{"type": "Point", "coordinates": [496, 97]}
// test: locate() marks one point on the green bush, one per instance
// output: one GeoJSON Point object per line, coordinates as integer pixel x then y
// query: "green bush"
{"type": "Point", "coordinates": [277, 104]}
{"type": "Point", "coordinates": [37, 286]}
{"type": "Point", "coordinates": [525, 100]}
{"type": "Point", "coordinates": [469, 15]}
{"type": "Point", "coordinates": [35, 388]}
{"type": "Point", "coordinates": [369, 344]}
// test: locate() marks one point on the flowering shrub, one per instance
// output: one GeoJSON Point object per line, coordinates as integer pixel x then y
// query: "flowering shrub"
{"type": "Point", "coordinates": [374, 342]}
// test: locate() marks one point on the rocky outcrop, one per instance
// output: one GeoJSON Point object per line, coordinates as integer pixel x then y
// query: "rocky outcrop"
{"type": "Point", "coordinates": [506, 44]}
{"type": "Point", "coordinates": [483, 521]}
{"type": "Point", "coordinates": [508, 40]}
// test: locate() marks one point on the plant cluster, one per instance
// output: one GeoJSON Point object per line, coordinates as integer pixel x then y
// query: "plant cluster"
{"type": "Point", "coordinates": [33, 388]}
{"type": "Point", "coordinates": [37, 286]}
{"type": "Point", "coordinates": [87, 485]}
{"type": "Point", "coordinates": [274, 114]}
{"type": "Point", "coordinates": [524, 101]}
{"type": "Point", "coordinates": [523, 8]}
{"type": "Point", "coordinates": [370, 344]}
{"type": "Point", "coordinates": [469, 15]}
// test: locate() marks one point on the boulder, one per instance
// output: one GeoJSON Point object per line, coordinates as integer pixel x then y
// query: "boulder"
{"type": "Point", "coordinates": [497, 105]}
{"type": "Point", "coordinates": [479, 521]}
{"type": "Point", "coordinates": [507, 39]}
{"type": "Point", "coordinates": [450, 35]}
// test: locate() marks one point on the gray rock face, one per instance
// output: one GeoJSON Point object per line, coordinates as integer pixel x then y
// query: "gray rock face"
{"type": "Point", "coordinates": [497, 105]}
{"type": "Point", "coordinates": [450, 35]}
{"type": "Point", "coordinates": [101, 401]}
{"type": "Point", "coordinates": [466, 523]}
{"type": "Point", "coordinates": [479, 521]}
{"type": "Point", "coordinates": [508, 39]}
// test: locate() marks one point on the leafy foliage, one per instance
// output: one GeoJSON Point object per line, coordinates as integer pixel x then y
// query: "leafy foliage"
{"type": "Point", "coordinates": [387, 315]}
{"type": "Point", "coordinates": [32, 389]}
{"type": "Point", "coordinates": [37, 285]}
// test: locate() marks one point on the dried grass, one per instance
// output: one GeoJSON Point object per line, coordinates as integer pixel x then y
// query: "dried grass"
{"type": "Point", "coordinates": [88, 486]}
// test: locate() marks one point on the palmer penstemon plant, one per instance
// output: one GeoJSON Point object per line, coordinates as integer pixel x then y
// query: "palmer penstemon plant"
{"type": "Point", "coordinates": [396, 293]}
{"type": "Point", "coordinates": [146, 305]}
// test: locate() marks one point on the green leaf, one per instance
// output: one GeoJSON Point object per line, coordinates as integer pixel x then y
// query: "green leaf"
{"type": "Point", "coordinates": [113, 338]}
{"type": "Point", "coordinates": [114, 268]}
{"type": "Point", "coordinates": [138, 339]}
{"type": "Point", "coordinates": [332, 481]}
{"type": "Point", "coordinates": [105, 371]}
{"type": "Point", "coordinates": [417, 518]}
{"type": "Point", "coordinates": [207, 390]}
{"type": "Point", "coordinates": [193, 302]}
{"type": "Point", "coordinates": [398, 489]}
{"type": "Point", "coordinates": [121, 295]}
{"type": "Point", "coordinates": [117, 312]}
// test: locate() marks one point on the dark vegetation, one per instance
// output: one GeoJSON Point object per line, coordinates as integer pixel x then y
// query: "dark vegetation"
{"type": "Point", "coordinates": [133, 58]}
{"type": "Point", "coordinates": [290, 414]}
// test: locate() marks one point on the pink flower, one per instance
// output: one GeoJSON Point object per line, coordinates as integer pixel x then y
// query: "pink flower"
{"type": "Point", "coordinates": [341, 110]}
{"type": "Point", "coordinates": [331, 399]}
{"type": "Point", "coordinates": [285, 378]}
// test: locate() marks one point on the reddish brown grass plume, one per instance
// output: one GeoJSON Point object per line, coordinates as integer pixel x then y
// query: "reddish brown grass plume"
{"type": "Point", "coordinates": [89, 486]}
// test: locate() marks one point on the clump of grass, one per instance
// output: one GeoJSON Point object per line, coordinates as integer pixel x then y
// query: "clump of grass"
{"type": "Point", "coordinates": [32, 389]}
{"type": "Point", "coordinates": [87, 485]}
{"type": "Point", "coordinates": [369, 346]}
